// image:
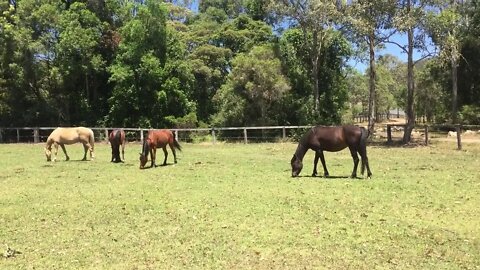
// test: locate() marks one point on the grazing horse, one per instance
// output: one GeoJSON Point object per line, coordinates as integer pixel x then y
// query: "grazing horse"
{"type": "Point", "coordinates": [61, 136]}
{"type": "Point", "coordinates": [117, 139]}
{"type": "Point", "coordinates": [158, 139]}
{"type": "Point", "coordinates": [332, 139]}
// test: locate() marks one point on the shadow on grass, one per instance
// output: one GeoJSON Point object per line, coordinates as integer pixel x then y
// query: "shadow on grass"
{"type": "Point", "coordinates": [331, 177]}
{"type": "Point", "coordinates": [162, 165]}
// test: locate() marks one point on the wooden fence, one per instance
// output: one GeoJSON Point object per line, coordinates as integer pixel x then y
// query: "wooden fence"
{"type": "Point", "coordinates": [245, 134]}
{"type": "Point", "coordinates": [458, 129]}
{"type": "Point", "coordinates": [238, 134]}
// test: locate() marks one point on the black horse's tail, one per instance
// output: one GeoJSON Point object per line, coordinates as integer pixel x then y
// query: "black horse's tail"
{"type": "Point", "coordinates": [175, 143]}
{"type": "Point", "coordinates": [363, 146]}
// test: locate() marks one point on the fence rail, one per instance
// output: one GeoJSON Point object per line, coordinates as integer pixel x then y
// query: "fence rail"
{"type": "Point", "coordinates": [238, 134]}
{"type": "Point", "coordinates": [40, 134]}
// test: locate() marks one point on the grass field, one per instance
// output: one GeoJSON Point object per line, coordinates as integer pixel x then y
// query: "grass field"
{"type": "Point", "coordinates": [235, 206]}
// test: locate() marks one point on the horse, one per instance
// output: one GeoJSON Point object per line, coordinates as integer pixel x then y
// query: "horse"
{"type": "Point", "coordinates": [117, 139]}
{"type": "Point", "coordinates": [158, 139]}
{"type": "Point", "coordinates": [332, 139]}
{"type": "Point", "coordinates": [61, 136]}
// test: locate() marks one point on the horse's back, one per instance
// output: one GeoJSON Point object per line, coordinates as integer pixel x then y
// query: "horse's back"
{"type": "Point", "coordinates": [161, 137]}
{"type": "Point", "coordinates": [335, 138]}
{"type": "Point", "coordinates": [71, 135]}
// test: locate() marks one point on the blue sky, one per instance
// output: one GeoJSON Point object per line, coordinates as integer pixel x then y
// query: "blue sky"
{"type": "Point", "coordinates": [390, 49]}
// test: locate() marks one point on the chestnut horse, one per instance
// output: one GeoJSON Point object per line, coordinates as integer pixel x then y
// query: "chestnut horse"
{"type": "Point", "coordinates": [332, 139]}
{"type": "Point", "coordinates": [158, 139]}
{"type": "Point", "coordinates": [117, 139]}
{"type": "Point", "coordinates": [61, 136]}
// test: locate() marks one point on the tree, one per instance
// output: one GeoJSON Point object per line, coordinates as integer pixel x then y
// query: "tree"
{"type": "Point", "coordinates": [252, 89]}
{"type": "Point", "coordinates": [371, 23]}
{"type": "Point", "coordinates": [151, 85]}
{"type": "Point", "coordinates": [316, 19]}
{"type": "Point", "coordinates": [445, 28]}
{"type": "Point", "coordinates": [410, 19]}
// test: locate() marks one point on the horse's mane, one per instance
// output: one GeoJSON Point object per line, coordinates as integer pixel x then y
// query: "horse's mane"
{"type": "Point", "coordinates": [146, 147]}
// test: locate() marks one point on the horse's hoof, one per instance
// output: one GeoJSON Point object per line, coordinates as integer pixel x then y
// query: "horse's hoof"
{"type": "Point", "coordinates": [314, 174]}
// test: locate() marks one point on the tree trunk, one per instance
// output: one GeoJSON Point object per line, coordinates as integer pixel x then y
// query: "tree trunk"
{"type": "Point", "coordinates": [454, 89]}
{"type": "Point", "coordinates": [315, 58]}
{"type": "Point", "coordinates": [407, 135]}
{"type": "Point", "coordinates": [371, 100]}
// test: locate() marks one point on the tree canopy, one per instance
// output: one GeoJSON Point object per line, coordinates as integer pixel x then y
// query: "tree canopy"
{"type": "Point", "coordinates": [230, 63]}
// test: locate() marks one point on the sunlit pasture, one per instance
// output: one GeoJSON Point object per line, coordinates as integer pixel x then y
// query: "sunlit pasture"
{"type": "Point", "coordinates": [235, 206]}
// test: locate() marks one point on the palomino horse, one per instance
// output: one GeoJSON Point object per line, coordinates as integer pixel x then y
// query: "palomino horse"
{"type": "Point", "coordinates": [61, 136]}
{"type": "Point", "coordinates": [158, 139]}
{"type": "Point", "coordinates": [332, 139]}
{"type": "Point", "coordinates": [117, 139]}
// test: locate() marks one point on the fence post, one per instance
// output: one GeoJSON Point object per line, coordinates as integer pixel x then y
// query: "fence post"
{"type": "Point", "coordinates": [284, 133]}
{"type": "Point", "coordinates": [106, 135]}
{"type": "Point", "coordinates": [176, 135]}
{"type": "Point", "coordinates": [18, 135]}
{"type": "Point", "coordinates": [245, 135]}
{"type": "Point", "coordinates": [459, 137]}
{"type": "Point", "coordinates": [1, 135]}
{"type": "Point", "coordinates": [214, 139]}
{"type": "Point", "coordinates": [426, 135]}
{"type": "Point", "coordinates": [141, 135]}
{"type": "Point", "coordinates": [36, 135]}
{"type": "Point", "coordinates": [389, 134]}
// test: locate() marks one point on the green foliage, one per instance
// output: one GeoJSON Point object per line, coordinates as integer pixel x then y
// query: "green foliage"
{"type": "Point", "coordinates": [252, 90]}
{"type": "Point", "coordinates": [147, 63]}
{"type": "Point", "coordinates": [470, 114]}
{"type": "Point", "coordinates": [332, 89]}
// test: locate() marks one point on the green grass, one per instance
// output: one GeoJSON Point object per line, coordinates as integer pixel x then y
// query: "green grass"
{"type": "Point", "coordinates": [235, 206]}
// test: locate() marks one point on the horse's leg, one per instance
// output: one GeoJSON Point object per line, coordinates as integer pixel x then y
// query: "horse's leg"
{"type": "Point", "coordinates": [55, 151]}
{"type": "Point", "coordinates": [165, 153]}
{"type": "Point", "coordinates": [315, 162]}
{"type": "Point", "coordinates": [174, 154]}
{"type": "Point", "coordinates": [113, 152]}
{"type": "Point", "coordinates": [355, 162]}
{"type": "Point", "coordinates": [85, 150]}
{"type": "Point", "coordinates": [123, 151]}
{"type": "Point", "coordinates": [363, 154]}
{"type": "Point", "coordinates": [322, 159]}
{"type": "Point", "coordinates": [117, 153]}
{"type": "Point", "coordinates": [64, 151]}
{"type": "Point", "coordinates": [153, 154]}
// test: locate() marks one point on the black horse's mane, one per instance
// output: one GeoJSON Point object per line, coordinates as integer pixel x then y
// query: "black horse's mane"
{"type": "Point", "coordinates": [145, 148]}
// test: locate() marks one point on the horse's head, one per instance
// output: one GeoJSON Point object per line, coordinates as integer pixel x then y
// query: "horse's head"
{"type": "Point", "coordinates": [48, 154]}
{"type": "Point", "coordinates": [143, 160]}
{"type": "Point", "coordinates": [297, 166]}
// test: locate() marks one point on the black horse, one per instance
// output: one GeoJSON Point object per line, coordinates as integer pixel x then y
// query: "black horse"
{"type": "Point", "coordinates": [117, 139]}
{"type": "Point", "coordinates": [332, 139]}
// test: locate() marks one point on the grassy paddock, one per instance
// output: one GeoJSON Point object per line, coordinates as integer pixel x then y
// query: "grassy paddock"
{"type": "Point", "coordinates": [235, 206]}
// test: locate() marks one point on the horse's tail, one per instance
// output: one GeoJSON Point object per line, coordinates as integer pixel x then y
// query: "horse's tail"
{"type": "Point", "coordinates": [91, 140]}
{"type": "Point", "coordinates": [176, 144]}
{"type": "Point", "coordinates": [363, 146]}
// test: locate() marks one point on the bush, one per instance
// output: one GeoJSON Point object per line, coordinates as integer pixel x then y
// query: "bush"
{"type": "Point", "coordinates": [470, 114]}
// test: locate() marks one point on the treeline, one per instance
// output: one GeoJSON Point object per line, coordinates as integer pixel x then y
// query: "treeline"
{"type": "Point", "coordinates": [230, 63]}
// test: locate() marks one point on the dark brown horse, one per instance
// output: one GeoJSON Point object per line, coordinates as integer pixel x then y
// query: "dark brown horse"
{"type": "Point", "coordinates": [117, 139]}
{"type": "Point", "coordinates": [332, 139]}
{"type": "Point", "coordinates": [158, 139]}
